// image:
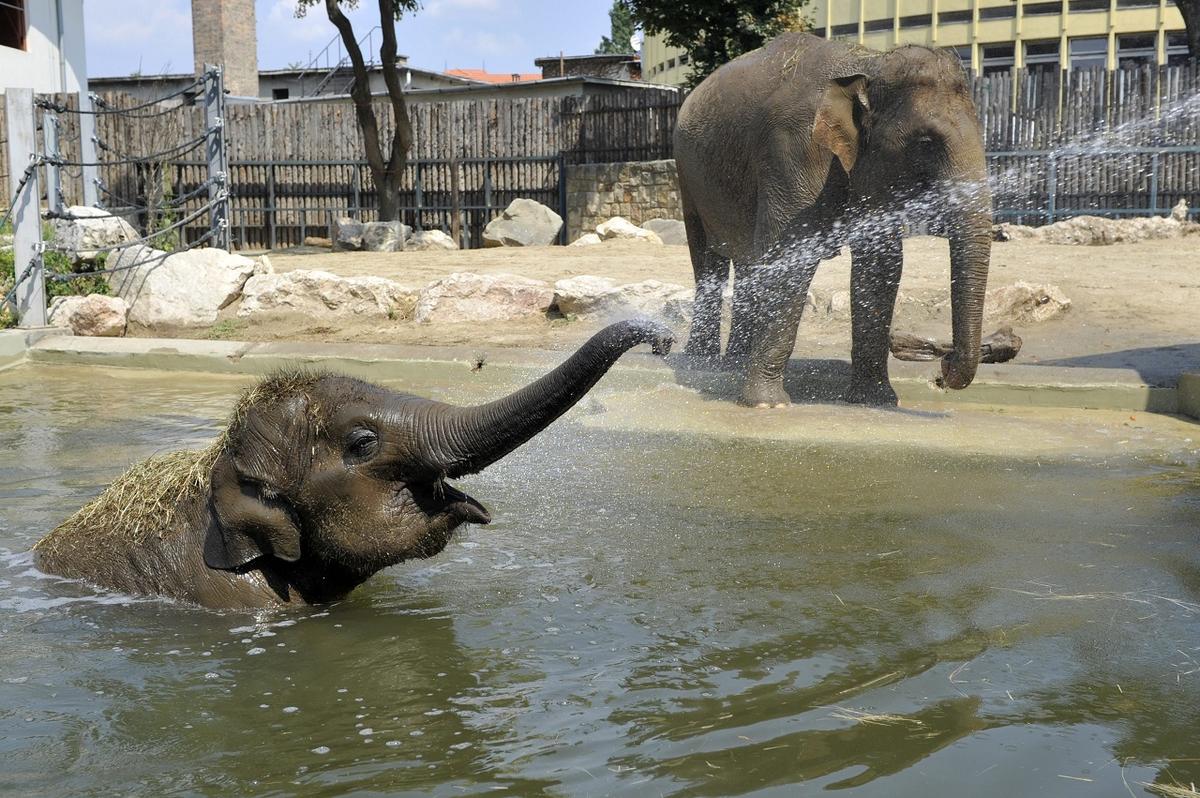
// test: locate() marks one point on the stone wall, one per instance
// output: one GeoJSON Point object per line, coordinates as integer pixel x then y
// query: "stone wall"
{"type": "Point", "coordinates": [639, 191]}
{"type": "Point", "coordinates": [224, 32]}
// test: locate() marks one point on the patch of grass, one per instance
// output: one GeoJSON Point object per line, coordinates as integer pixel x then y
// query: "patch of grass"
{"type": "Point", "coordinates": [224, 330]}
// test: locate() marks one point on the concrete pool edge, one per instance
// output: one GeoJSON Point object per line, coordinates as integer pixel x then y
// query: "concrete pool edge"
{"type": "Point", "coordinates": [1012, 385]}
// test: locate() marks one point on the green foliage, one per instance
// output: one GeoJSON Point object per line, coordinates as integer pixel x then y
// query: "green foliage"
{"type": "Point", "coordinates": [224, 330]}
{"type": "Point", "coordinates": [398, 6]}
{"type": "Point", "coordinates": [714, 32]}
{"type": "Point", "coordinates": [61, 263]}
{"type": "Point", "coordinates": [621, 30]}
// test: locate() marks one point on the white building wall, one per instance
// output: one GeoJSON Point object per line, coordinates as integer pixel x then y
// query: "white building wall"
{"type": "Point", "coordinates": [38, 66]}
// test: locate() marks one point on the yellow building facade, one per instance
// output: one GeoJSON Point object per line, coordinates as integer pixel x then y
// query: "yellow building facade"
{"type": "Point", "coordinates": [989, 35]}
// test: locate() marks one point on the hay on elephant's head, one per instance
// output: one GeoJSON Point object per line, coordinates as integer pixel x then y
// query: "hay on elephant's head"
{"type": "Point", "coordinates": [147, 499]}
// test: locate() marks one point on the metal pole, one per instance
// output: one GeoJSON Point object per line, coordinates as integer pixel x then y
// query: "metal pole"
{"type": "Point", "coordinates": [455, 204]}
{"type": "Point", "coordinates": [217, 157]}
{"type": "Point", "coordinates": [1154, 184]}
{"type": "Point", "coordinates": [26, 215]}
{"type": "Point", "coordinates": [1052, 185]}
{"type": "Point", "coordinates": [562, 198]}
{"type": "Point", "coordinates": [271, 220]}
{"type": "Point", "coordinates": [87, 151]}
{"type": "Point", "coordinates": [54, 194]}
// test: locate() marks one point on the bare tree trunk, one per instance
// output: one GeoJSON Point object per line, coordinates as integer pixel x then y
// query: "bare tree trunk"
{"type": "Point", "coordinates": [385, 174]}
{"type": "Point", "coordinates": [1190, 11]}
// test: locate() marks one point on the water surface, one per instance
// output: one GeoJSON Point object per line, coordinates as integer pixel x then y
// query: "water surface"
{"type": "Point", "coordinates": [649, 614]}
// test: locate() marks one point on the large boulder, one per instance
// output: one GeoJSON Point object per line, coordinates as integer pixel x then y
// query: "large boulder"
{"type": "Point", "coordinates": [622, 228]}
{"type": "Point", "coordinates": [384, 236]}
{"type": "Point", "coordinates": [1025, 303]}
{"type": "Point", "coordinates": [587, 240]}
{"type": "Point", "coordinates": [601, 298]}
{"type": "Point", "coordinates": [427, 240]}
{"type": "Point", "coordinates": [185, 289]}
{"type": "Point", "coordinates": [464, 296]}
{"type": "Point", "coordinates": [670, 231]}
{"type": "Point", "coordinates": [91, 229]}
{"type": "Point", "coordinates": [94, 314]}
{"type": "Point", "coordinates": [348, 234]}
{"type": "Point", "coordinates": [321, 295]}
{"type": "Point", "coordinates": [524, 223]}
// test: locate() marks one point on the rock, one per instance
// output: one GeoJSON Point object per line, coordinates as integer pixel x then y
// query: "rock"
{"type": "Point", "coordinates": [587, 240]}
{"type": "Point", "coordinates": [93, 229]}
{"type": "Point", "coordinates": [838, 303]}
{"type": "Point", "coordinates": [1006, 231]}
{"type": "Point", "coordinates": [430, 240]}
{"type": "Point", "coordinates": [321, 295]}
{"type": "Point", "coordinates": [384, 236]}
{"type": "Point", "coordinates": [620, 227]}
{"type": "Point", "coordinates": [671, 231]}
{"type": "Point", "coordinates": [1025, 303]}
{"type": "Point", "coordinates": [348, 234]}
{"type": "Point", "coordinates": [1180, 212]}
{"type": "Point", "coordinates": [185, 289]}
{"type": "Point", "coordinates": [94, 314]}
{"type": "Point", "coordinates": [262, 265]}
{"type": "Point", "coordinates": [591, 297]}
{"type": "Point", "coordinates": [317, 241]}
{"type": "Point", "coordinates": [464, 296]}
{"type": "Point", "coordinates": [524, 223]}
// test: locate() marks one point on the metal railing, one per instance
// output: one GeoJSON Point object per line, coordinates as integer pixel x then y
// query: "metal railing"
{"type": "Point", "coordinates": [332, 59]}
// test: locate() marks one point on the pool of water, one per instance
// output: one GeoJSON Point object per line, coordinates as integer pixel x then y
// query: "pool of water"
{"type": "Point", "coordinates": [651, 613]}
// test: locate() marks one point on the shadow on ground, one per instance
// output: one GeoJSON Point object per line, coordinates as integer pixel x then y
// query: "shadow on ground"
{"type": "Point", "coordinates": [1157, 365]}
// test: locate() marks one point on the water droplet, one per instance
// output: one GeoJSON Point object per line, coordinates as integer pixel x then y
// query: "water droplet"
{"type": "Point", "coordinates": [366, 732]}
{"type": "Point", "coordinates": [321, 749]}
{"type": "Point", "coordinates": [256, 651]}
{"type": "Point", "coordinates": [290, 710]}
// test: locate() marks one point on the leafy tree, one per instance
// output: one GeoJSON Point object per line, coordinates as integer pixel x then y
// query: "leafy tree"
{"type": "Point", "coordinates": [621, 30]}
{"type": "Point", "coordinates": [386, 173]}
{"type": "Point", "coordinates": [1190, 10]}
{"type": "Point", "coordinates": [714, 32]}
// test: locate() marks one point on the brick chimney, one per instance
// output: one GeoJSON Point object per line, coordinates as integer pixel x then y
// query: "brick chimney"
{"type": "Point", "coordinates": [223, 32]}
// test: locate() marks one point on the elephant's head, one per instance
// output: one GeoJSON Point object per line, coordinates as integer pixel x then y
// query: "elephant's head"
{"type": "Point", "coordinates": [904, 128]}
{"type": "Point", "coordinates": [333, 478]}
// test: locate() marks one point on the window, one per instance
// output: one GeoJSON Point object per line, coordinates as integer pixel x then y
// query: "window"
{"type": "Point", "coordinates": [917, 21]}
{"type": "Point", "coordinates": [1136, 48]}
{"type": "Point", "coordinates": [1089, 52]}
{"type": "Point", "coordinates": [1177, 48]}
{"type": "Point", "coordinates": [1137, 3]}
{"type": "Point", "coordinates": [1077, 6]}
{"type": "Point", "coordinates": [1042, 9]}
{"type": "Point", "coordinates": [875, 25]}
{"type": "Point", "coordinates": [683, 59]}
{"type": "Point", "coordinates": [950, 17]}
{"type": "Point", "coordinates": [997, 58]}
{"type": "Point", "coordinates": [998, 12]}
{"type": "Point", "coordinates": [670, 63]}
{"type": "Point", "coordinates": [850, 29]}
{"type": "Point", "coordinates": [1042, 55]}
{"type": "Point", "coordinates": [12, 24]}
{"type": "Point", "coordinates": [964, 55]}
{"type": "Point", "coordinates": [279, 94]}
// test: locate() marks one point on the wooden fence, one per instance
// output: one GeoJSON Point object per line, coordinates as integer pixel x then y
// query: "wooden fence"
{"type": "Point", "coordinates": [1059, 142]}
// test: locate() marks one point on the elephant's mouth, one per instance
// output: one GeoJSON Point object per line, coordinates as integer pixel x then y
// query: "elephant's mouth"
{"type": "Point", "coordinates": [466, 509]}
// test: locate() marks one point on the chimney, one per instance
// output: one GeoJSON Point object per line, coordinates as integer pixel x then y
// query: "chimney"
{"type": "Point", "coordinates": [223, 32]}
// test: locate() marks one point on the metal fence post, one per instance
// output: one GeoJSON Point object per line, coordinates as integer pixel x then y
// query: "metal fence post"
{"type": "Point", "coordinates": [87, 151]}
{"type": "Point", "coordinates": [26, 213]}
{"type": "Point", "coordinates": [1154, 184]}
{"type": "Point", "coordinates": [1052, 185]}
{"type": "Point", "coordinates": [54, 194]}
{"type": "Point", "coordinates": [271, 220]}
{"type": "Point", "coordinates": [217, 156]}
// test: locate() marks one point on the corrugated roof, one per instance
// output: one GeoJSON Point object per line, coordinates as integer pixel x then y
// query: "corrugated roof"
{"type": "Point", "coordinates": [483, 76]}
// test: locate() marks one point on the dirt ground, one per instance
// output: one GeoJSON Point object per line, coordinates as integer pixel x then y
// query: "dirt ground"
{"type": "Point", "coordinates": [1132, 305]}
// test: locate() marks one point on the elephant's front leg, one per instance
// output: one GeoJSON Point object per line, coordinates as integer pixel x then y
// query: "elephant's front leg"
{"type": "Point", "coordinates": [875, 267]}
{"type": "Point", "coordinates": [779, 291]}
{"type": "Point", "coordinates": [712, 275]}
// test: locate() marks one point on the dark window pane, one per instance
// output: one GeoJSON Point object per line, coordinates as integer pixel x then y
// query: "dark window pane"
{"type": "Point", "coordinates": [917, 21]}
{"type": "Point", "coordinates": [12, 24]}
{"type": "Point", "coordinates": [998, 51]}
{"type": "Point", "coordinates": [1042, 9]}
{"type": "Point", "coordinates": [1076, 6]}
{"type": "Point", "coordinates": [1089, 46]}
{"type": "Point", "coordinates": [1137, 3]}
{"type": "Point", "coordinates": [947, 17]}
{"type": "Point", "coordinates": [845, 30]}
{"type": "Point", "coordinates": [874, 25]}
{"type": "Point", "coordinates": [279, 94]}
{"type": "Point", "coordinates": [1135, 41]}
{"type": "Point", "coordinates": [998, 12]}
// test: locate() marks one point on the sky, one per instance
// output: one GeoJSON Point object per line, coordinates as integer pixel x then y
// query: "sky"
{"type": "Point", "coordinates": [155, 36]}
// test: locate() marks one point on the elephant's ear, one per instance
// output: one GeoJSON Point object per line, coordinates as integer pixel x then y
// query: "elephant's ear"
{"type": "Point", "coordinates": [836, 126]}
{"type": "Point", "coordinates": [249, 522]}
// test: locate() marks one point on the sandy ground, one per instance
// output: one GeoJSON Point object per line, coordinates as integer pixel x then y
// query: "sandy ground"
{"type": "Point", "coordinates": [1133, 305]}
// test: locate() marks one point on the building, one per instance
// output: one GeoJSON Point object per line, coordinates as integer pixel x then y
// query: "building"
{"type": "Point", "coordinates": [224, 32]}
{"type": "Point", "coordinates": [989, 35]}
{"type": "Point", "coordinates": [42, 46]}
{"type": "Point", "coordinates": [483, 76]}
{"type": "Point", "coordinates": [596, 65]}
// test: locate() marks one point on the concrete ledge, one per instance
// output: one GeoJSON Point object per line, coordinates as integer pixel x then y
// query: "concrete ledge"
{"type": "Point", "coordinates": [807, 380]}
{"type": "Point", "coordinates": [15, 343]}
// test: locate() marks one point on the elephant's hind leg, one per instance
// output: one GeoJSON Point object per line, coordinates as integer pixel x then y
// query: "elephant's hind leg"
{"type": "Point", "coordinates": [779, 291]}
{"type": "Point", "coordinates": [743, 315]}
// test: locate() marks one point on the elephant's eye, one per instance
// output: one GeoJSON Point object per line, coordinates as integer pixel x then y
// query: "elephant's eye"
{"type": "Point", "coordinates": [362, 444]}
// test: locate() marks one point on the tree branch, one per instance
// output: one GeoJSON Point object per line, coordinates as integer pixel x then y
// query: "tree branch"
{"type": "Point", "coordinates": [402, 138]}
{"type": "Point", "coordinates": [361, 91]}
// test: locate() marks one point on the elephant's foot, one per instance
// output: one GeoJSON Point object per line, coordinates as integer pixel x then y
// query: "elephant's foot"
{"type": "Point", "coordinates": [875, 393]}
{"type": "Point", "coordinates": [764, 395]}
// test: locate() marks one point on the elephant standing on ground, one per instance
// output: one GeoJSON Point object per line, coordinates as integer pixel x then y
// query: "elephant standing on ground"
{"type": "Point", "coordinates": [318, 482]}
{"type": "Point", "coordinates": [796, 149]}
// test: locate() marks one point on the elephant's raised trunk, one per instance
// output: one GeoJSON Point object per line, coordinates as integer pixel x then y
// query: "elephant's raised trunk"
{"type": "Point", "coordinates": [466, 440]}
{"type": "Point", "coordinates": [970, 251]}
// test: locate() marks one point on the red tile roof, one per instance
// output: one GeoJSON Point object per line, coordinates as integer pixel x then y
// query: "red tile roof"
{"type": "Point", "coordinates": [484, 76]}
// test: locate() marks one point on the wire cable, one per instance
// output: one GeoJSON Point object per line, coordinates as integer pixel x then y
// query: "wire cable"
{"type": "Point", "coordinates": [173, 152]}
{"type": "Point", "coordinates": [105, 109]}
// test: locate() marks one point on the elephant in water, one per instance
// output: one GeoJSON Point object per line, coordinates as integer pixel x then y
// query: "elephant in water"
{"type": "Point", "coordinates": [318, 482]}
{"type": "Point", "coordinates": [798, 148]}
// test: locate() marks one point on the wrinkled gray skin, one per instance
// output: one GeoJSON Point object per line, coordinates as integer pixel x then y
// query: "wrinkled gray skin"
{"type": "Point", "coordinates": [313, 494]}
{"type": "Point", "coordinates": [796, 149]}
